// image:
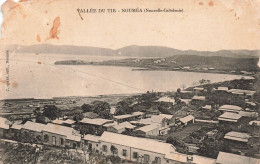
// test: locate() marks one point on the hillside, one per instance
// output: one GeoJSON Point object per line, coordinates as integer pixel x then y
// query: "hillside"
{"type": "Point", "coordinates": [129, 51]}
{"type": "Point", "coordinates": [181, 62]}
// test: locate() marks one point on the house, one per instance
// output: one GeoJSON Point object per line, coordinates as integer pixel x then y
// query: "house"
{"type": "Point", "coordinates": [92, 143]}
{"type": "Point", "coordinates": [254, 122]}
{"type": "Point", "coordinates": [237, 136]}
{"type": "Point", "coordinates": [61, 136]}
{"type": "Point", "coordinates": [228, 158]}
{"type": "Point", "coordinates": [221, 90]}
{"type": "Point", "coordinates": [135, 149]}
{"type": "Point", "coordinates": [187, 120]}
{"type": "Point", "coordinates": [198, 90]}
{"type": "Point", "coordinates": [166, 99]}
{"type": "Point", "coordinates": [242, 93]}
{"type": "Point", "coordinates": [230, 108]}
{"type": "Point", "coordinates": [119, 127]}
{"type": "Point", "coordinates": [207, 107]}
{"type": "Point", "coordinates": [125, 117]}
{"type": "Point", "coordinates": [97, 124]}
{"type": "Point", "coordinates": [230, 118]}
{"type": "Point", "coordinates": [129, 117]}
{"type": "Point", "coordinates": [198, 100]}
{"type": "Point", "coordinates": [4, 127]}
{"type": "Point", "coordinates": [148, 130]}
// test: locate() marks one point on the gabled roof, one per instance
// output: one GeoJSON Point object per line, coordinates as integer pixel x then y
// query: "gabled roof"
{"type": "Point", "coordinates": [69, 121]}
{"type": "Point", "coordinates": [138, 143]}
{"type": "Point", "coordinates": [96, 121]}
{"type": "Point", "coordinates": [228, 116]}
{"type": "Point", "coordinates": [16, 126]}
{"type": "Point", "coordinates": [123, 116]}
{"type": "Point", "coordinates": [70, 133]}
{"type": "Point", "coordinates": [186, 119]}
{"type": "Point", "coordinates": [33, 126]}
{"type": "Point", "coordinates": [228, 158]}
{"type": "Point", "coordinates": [138, 113]}
{"type": "Point", "coordinates": [237, 136]}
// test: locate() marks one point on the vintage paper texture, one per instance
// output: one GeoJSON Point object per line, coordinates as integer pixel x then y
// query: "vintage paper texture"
{"type": "Point", "coordinates": [201, 25]}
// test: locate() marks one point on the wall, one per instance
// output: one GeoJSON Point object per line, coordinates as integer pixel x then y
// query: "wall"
{"type": "Point", "coordinates": [58, 139]}
{"type": "Point", "coordinates": [130, 151]}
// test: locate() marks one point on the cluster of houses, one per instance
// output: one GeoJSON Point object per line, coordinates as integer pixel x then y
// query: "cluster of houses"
{"type": "Point", "coordinates": [126, 147]}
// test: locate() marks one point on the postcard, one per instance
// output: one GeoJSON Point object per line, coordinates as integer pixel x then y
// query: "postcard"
{"type": "Point", "coordinates": [130, 81]}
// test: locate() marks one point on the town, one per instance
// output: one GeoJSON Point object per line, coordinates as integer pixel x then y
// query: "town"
{"type": "Point", "coordinates": [212, 123]}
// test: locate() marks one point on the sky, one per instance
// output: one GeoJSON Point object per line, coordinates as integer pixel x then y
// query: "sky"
{"type": "Point", "coordinates": [204, 24]}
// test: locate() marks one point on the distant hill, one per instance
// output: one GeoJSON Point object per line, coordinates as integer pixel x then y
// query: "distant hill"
{"type": "Point", "coordinates": [130, 51]}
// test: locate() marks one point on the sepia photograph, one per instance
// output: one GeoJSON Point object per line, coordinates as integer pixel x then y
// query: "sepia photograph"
{"type": "Point", "coordinates": [130, 82]}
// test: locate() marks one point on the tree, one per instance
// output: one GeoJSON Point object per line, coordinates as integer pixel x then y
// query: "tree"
{"type": "Point", "coordinates": [51, 111]}
{"type": "Point", "coordinates": [86, 108]}
{"type": "Point", "coordinates": [78, 116]}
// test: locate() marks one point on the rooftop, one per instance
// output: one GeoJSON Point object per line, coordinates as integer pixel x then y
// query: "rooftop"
{"type": "Point", "coordinates": [33, 126]}
{"type": "Point", "coordinates": [183, 158]}
{"type": "Point", "coordinates": [62, 130]}
{"type": "Point", "coordinates": [228, 158]}
{"type": "Point", "coordinates": [186, 119]}
{"type": "Point", "coordinates": [230, 108]}
{"type": "Point", "coordinates": [198, 98]}
{"type": "Point", "coordinates": [138, 113]}
{"type": "Point", "coordinates": [228, 116]}
{"type": "Point", "coordinates": [123, 116]}
{"type": "Point", "coordinates": [96, 121]}
{"type": "Point", "coordinates": [148, 128]}
{"type": "Point", "coordinates": [237, 136]}
{"type": "Point", "coordinates": [90, 137]}
{"type": "Point", "coordinates": [136, 142]}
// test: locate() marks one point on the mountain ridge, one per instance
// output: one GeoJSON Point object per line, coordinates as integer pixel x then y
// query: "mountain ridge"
{"type": "Point", "coordinates": [130, 51]}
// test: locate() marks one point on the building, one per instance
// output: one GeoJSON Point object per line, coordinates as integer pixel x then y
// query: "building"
{"type": "Point", "coordinates": [221, 90]}
{"type": "Point", "coordinates": [242, 93]}
{"type": "Point", "coordinates": [61, 136]}
{"type": "Point", "coordinates": [148, 130]}
{"type": "Point", "coordinates": [166, 99]}
{"type": "Point", "coordinates": [228, 158]}
{"type": "Point", "coordinates": [254, 122]}
{"type": "Point", "coordinates": [198, 90]}
{"type": "Point", "coordinates": [33, 128]}
{"type": "Point", "coordinates": [96, 125]}
{"type": "Point", "coordinates": [187, 120]}
{"type": "Point", "coordinates": [92, 143]}
{"type": "Point", "coordinates": [129, 117]}
{"type": "Point", "coordinates": [230, 108]}
{"type": "Point", "coordinates": [207, 107]}
{"type": "Point", "coordinates": [230, 118]}
{"type": "Point", "coordinates": [120, 127]}
{"type": "Point", "coordinates": [135, 149]}
{"type": "Point", "coordinates": [198, 100]}
{"type": "Point", "coordinates": [237, 136]}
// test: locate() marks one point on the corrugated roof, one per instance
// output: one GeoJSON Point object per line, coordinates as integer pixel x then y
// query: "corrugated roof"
{"type": "Point", "coordinates": [136, 142]}
{"type": "Point", "coordinates": [228, 158]}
